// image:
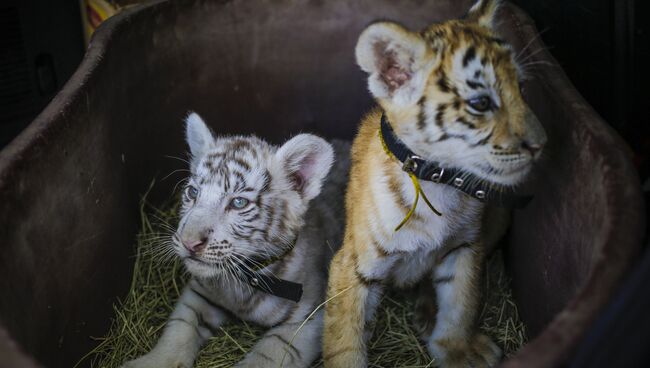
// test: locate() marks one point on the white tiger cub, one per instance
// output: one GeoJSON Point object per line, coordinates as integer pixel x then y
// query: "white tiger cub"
{"type": "Point", "coordinates": [247, 215]}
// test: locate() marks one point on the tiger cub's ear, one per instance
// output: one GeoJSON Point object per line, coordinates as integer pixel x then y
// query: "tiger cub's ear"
{"type": "Point", "coordinates": [397, 60]}
{"type": "Point", "coordinates": [483, 12]}
{"type": "Point", "coordinates": [307, 160]}
{"type": "Point", "coordinates": [199, 137]}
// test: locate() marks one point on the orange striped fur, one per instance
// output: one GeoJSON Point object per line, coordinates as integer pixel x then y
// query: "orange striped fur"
{"type": "Point", "coordinates": [451, 93]}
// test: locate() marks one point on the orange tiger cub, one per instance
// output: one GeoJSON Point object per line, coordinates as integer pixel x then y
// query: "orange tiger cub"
{"type": "Point", "coordinates": [448, 96]}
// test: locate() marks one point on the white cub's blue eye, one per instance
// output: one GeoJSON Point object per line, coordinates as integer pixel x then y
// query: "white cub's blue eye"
{"type": "Point", "coordinates": [191, 192]}
{"type": "Point", "coordinates": [239, 203]}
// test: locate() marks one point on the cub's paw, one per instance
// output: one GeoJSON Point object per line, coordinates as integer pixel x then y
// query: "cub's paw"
{"type": "Point", "coordinates": [350, 358]}
{"type": "Point", "coordinates": [155, 361]}
{"type": "Point", "coordinates": [477, 352]}
{"type": "Point", "coordinates": [258, 359]}
{"type": "Point", "coordinates": [258, 363]}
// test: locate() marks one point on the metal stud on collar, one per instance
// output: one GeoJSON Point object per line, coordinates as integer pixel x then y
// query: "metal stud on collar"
{"type": "Point", "coordinates": [255, 281]}
{"type": "Point", "coordinates": [410, 165]}
{"type": "Point", "coordinates": [480, 194]}
{"type": "Point", "coordinates": [458, 182]}
{"type": "Point", "coordinates": [436, 176]}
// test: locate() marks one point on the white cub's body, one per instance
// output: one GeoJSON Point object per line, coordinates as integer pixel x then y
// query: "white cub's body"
{"type": "Point", "coordinates": [252, 207]}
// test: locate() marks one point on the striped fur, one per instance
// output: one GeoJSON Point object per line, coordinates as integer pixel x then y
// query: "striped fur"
{"type": "Point", "coordinates": [283, 189]}
{"type": "Point", "coordinates": [451, 93]}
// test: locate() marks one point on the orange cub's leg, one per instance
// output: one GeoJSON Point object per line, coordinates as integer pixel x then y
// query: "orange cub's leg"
{"type": "Point", "coordinates": [454, 341]}
{"type": "Point", "coordinates": [345, 314]}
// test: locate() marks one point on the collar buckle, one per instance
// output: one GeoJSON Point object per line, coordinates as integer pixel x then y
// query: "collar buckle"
{"type": "Point", "coordinates": [437, 175]}
{"type": "Point", "coordinates": [410, 164]}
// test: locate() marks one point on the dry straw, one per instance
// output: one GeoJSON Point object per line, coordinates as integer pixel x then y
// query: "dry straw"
{"type": "Point", "coordinates": [158, 279]}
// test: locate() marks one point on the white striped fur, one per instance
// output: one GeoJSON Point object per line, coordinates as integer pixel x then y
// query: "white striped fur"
{"type": "Point", "coordinates": [281, 186]}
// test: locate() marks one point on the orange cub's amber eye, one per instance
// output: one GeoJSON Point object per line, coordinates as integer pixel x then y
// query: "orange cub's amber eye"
{"type": "Point", "coordinates": [481, 103]}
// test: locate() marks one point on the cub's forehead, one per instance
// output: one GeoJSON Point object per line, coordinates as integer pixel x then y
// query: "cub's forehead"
{"type": "Point", "coordinates": [467, 47]}
{"type": "Point", "coordinates": [474, 59]}
{"type": "Point", "coordinates": [235, 164]}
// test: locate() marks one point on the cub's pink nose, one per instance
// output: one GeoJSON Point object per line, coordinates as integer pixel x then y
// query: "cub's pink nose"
{"type": "Point", "coordinates": [196, 245]}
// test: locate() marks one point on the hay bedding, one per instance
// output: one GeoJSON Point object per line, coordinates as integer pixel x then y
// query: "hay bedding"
{"type": "Point", "coordinates": [158, 279]}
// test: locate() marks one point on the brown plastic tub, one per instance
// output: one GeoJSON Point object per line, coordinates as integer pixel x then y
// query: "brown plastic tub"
{"type": "Point", "coordinates": [70, 184]}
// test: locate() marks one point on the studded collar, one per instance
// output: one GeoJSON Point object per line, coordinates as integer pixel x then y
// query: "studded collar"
{"type": "Point", "coordinates": [270, 284]}
{"type": "Point", "coordinates": [461, 180]}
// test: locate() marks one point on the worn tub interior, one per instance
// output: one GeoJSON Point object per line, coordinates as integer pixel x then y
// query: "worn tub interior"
{"type": "Point", "coordinates": [70, 184]}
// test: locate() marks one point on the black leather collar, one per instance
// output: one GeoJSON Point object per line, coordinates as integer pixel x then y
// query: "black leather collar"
{"type": "Point", "coordinates": [270, 284]}
{"type": "Point", "coordinates": [461, 180]}
{"type": "Point", "coordinates": [275, 286]}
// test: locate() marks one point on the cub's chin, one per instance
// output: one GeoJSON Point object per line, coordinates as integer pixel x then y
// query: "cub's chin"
{"type": "Point", "coordinates": [508, 176]}
{"type": "Point", "coordinates": [201, 269]}
{"type": "Point", "coordinates": [513, 178]}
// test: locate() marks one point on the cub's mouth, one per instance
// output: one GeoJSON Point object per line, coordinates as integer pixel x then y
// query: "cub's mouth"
{"type": "Point", "coordinates": [217, 264]}
{"type": "Point", "coordinates": [507, 175]}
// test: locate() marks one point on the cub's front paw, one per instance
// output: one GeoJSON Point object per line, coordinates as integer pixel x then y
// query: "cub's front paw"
{"type": "Point", "coordinates": [156, 361]}
{"type": "Point", "coordinates": [478, 352]}
{"type": "Point", "coordinates": [260, 360]}
{"type": "Point", "coordinates": [251, 363]}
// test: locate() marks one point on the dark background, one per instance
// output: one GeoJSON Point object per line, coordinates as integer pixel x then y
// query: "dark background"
{"type": "Point", "coordinates": [603, 47]}
{"type": "Point", "coordinates": [41, 45]}
{"type": "Point", "coordinates": [601, 44]}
